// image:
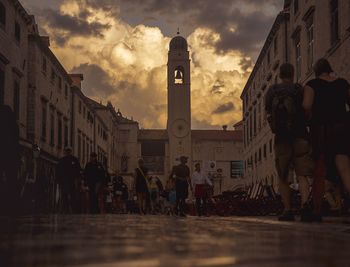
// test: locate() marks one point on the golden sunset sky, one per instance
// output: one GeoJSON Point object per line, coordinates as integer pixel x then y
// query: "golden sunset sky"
{"type": "Point", "coordinates": [121, 48]}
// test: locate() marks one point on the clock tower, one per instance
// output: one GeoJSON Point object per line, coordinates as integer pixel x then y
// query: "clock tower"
{"type": "Point", "coordinates": [179, 100]}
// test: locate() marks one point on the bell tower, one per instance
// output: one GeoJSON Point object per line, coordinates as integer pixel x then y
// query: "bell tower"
{"type": "Point", "coordinates": [179, 100]}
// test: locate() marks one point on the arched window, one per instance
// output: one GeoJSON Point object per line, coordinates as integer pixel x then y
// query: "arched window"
{"type": "Point", "coordinates": [2, 15]}
{"type": "Point", "coordinates": [179, 75]}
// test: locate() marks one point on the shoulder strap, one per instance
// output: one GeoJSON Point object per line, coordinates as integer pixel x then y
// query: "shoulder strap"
{"type": "Point", "coordinates": [141, 171]}
{"type": "Point", "coordinates": [143, 175]}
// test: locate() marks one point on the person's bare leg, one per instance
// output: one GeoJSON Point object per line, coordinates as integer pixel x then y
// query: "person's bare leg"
{"type": "Point", "coordinates": [338, 196]}
{"type": "Point", "coordinates": [285, 193]}
{"type": "Point", "coordinates": [343, 166]}
{"type": "Point", "coordinates": [304, 189]}
{"type": "Point", "coordinates": [329, 196]}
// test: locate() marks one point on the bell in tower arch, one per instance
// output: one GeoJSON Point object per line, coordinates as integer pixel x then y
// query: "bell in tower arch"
{"type": "Point", "coordinates": [179, 75]}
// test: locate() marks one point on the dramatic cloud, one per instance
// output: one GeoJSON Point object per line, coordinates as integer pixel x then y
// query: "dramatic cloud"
{"type": "Point", "coordinates": [224, 108]}
{"type": "Point", "coordinates": [241, 24]}
{"type": "Point", "coordinates": [100, 83]}
{"type": "Point", "coordinates": [68, 26]}
{"type": "Point", "coordinates": [121, 48]}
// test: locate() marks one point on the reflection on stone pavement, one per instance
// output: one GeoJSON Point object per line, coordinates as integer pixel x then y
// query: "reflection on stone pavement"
{"type": "Point", "coordinates": [155, 241]}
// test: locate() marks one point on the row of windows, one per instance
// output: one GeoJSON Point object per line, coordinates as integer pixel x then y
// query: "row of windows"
{"type": "Point", "coordinates": [59, 138]}
{"type": "Point", "coordinates": [257, 157]}
{"type": "Point", "coordinates": [16, 91]}
{"type": "Point", "coordinates": [102, 132]}
{"type": "Point", "coordinates": [3, 22]}
{"type": "Point", "coordinates": [254, 123]}
{"type": "Point", "coordinates": [101, 156]}
{"type": "Point", "coordinates": [310, 37]}
{"type": "Point", "coordinates": [263, 71]}
{"type": "Point", "coordinates": [53, 77]}
{"type": "Point", "coordinates": [85, 147]}
{"type": "Point", "coordinates": [86, 113]}
{"type": "Point", "coordinates": [310, 47]}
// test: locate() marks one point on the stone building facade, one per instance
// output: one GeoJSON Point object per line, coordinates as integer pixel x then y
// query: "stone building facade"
{"type": "Point", "coordinates": [15, 25]}
{"type": "Point", "coordinates": [95, 128]}
{"type": "Point", "coordinates": [50, 106]}
{"type": "Point", "coordinates": [303, 32]}
{"type": "Point", "coordinates": [49, 98]}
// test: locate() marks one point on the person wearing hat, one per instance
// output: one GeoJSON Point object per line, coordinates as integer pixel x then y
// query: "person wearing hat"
{"type": "Point", "coordinates": [181, 173]}
{"type": "Point", "coordinates": [69, 180]}
{"type": "Point", "coordinates": [95, 177]}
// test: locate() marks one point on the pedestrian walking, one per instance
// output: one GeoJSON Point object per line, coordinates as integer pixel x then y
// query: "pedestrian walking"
{"type": "Point", "coordinates": [200, 183]}
{"type": "Point", "coordinates": [181, 173]}
{"type": "Point", "coordinates": [121, 194]}
{"type": "Point", "coordinates": [9, 161]}
{"type": "Point", "coordinates": [325, 101]}
{"type": "Point", "coordinates": [170, 194]}
{"type": "Point", "coordinates": [141, 186]}
{"type": "Point", "coordinates": [153, 193]}
{"type": "Point", "coordinates": [285, 114]}
{"type": "Point", "coordinates": [69, 180]}
{"type": "Point", "coordinates": [96, 179]}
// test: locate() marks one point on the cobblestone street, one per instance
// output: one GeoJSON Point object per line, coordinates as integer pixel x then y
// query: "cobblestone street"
{"type": "Point", "coordinates": [152, 241]}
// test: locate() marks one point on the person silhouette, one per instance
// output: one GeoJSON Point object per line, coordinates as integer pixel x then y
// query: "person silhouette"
{"type": "Point", "coordinates": [9, 160]}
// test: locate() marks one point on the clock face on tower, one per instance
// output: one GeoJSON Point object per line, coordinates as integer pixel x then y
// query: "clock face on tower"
{"type": "Point", "coordinates": [180, 128]}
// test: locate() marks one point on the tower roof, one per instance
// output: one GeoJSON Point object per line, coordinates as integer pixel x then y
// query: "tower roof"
{"type": "Point", "coordinates": [178, 43]}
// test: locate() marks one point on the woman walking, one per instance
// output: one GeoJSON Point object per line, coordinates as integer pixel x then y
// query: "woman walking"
{"type": "Point", "coordinates": [325, 101]}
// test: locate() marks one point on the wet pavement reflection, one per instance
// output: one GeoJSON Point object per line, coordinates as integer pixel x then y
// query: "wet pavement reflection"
{"type": "Point", "coordinates": [155, 241]}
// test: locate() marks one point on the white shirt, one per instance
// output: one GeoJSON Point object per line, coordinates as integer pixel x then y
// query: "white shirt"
{"type": "Point", "coordinates": [200, 178]}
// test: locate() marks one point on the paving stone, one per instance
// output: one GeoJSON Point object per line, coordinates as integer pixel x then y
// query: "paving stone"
{"type": "Point", "coordinates": [157, 241]}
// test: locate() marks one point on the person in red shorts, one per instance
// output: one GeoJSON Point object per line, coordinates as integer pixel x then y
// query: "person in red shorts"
{"type": "Point", "coordinates": [200, 183]}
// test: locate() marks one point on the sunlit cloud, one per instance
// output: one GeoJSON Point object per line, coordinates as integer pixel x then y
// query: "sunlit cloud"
{"type": "Point", "coordinates": [126, 64]}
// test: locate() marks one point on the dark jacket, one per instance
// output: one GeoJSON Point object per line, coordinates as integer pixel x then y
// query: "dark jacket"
{"type": "Point", "coordinates": [121, 187]}
{"type": "Point", "coordinates": [94, 173]}
{"type": "Point", "coordinates": [9, 138]}
{"type": "Point", "coordinates": [68, 170]}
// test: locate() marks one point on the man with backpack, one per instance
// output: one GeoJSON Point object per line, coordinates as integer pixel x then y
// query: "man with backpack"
{"type": "Point", "coordinates": [283, 105]}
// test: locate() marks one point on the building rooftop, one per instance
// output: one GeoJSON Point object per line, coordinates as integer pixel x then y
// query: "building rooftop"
{"type": "Point", "coordinates": [154, 134]}
{"type": "Point", "coordinates": [217, 135]}
{"type": "Point", "coordinates": [178, 43]}
{"type": "Point", "coordinates": [209, 135]}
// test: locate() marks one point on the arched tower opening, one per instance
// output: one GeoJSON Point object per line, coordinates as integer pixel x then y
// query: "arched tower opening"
{"type": "Point", "coordinates": [179, 75]}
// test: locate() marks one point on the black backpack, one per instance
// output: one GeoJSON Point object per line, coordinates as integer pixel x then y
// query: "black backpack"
{"type": "Point", "coordinates": [284, 112]}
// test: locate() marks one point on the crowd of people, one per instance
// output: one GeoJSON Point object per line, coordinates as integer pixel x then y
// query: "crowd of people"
{"type": "Point", "coordinates": [89, 190]}
{"type": "Point", "coordinates": [312, 137]}
{"type": "Point", "coordinates": [173, 197]}
{"type": "Point", "coordinates": [92, 190]}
